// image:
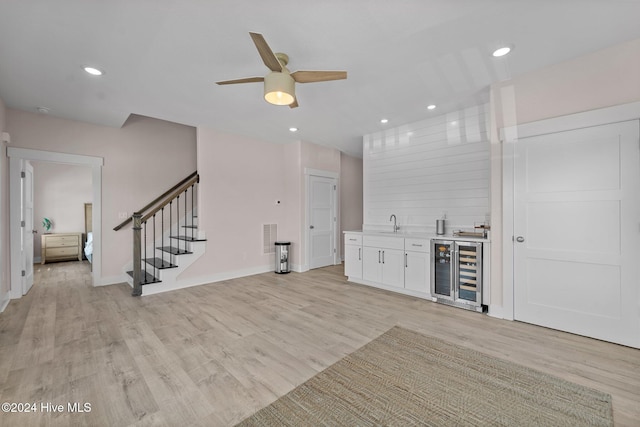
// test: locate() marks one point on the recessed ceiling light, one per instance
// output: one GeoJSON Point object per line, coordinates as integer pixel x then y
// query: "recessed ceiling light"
{"type": "Point", "coordinates": [501, 51]}
{"type": "Point", "coordinates": [293, 129]}
{"type": "Point", "coordinates": [383, 121]}
{"type": "Point", "coordinates": [93, 71]}
{"type": "Point", "coordinates": [431, 107]}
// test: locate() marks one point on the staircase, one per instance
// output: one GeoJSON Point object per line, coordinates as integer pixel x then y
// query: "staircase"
{"type": "Point", "coordinates": [166, 239]}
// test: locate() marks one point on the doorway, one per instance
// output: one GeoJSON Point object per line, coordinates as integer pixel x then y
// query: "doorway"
{"type": "Point", "coordinates": [322, 220]}
{"type": "Point", "coordinates": [575, 236]}
{"type": "Point", "coordinates": [18, 157]}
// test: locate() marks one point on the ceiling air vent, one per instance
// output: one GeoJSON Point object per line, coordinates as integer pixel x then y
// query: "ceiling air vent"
{"type": "Point", "coordinates": [269, 237]}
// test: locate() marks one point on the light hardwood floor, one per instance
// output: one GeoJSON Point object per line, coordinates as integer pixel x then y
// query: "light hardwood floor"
{"type": "Point", "coordinates": [213, 354]}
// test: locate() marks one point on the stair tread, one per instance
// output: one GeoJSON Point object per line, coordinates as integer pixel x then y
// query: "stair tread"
{"type": "Point", "coordinates": [173, 250]}
{"type": "Point", "coordinates": [159, 263]}
{"type": "Point", "coordinates": [188, 238]}
{"type": "Point", "coordinates": [146, 278]}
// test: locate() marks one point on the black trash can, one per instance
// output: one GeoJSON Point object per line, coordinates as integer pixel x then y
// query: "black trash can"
{"type": "Point", "coordinates": [282, 257]}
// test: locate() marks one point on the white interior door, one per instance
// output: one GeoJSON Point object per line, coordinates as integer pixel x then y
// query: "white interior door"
{"type": "Point", "coordinates": [27, 229]}
{"type": "Point", "coordinates": [577, 231]}
{"type": "Point", "coordinates": [322, 221]}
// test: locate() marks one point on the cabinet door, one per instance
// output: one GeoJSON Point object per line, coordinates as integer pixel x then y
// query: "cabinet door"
{"type": "Point", "coordinates": [416, 271]}
{"type": "Point", "coordinates": [371, 264]}
{"type": "Point", "coordinates": [393, 267]}
{"type": "Point", "coordinates": [353, 261]}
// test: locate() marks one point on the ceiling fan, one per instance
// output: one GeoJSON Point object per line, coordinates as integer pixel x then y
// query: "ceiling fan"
{"type": "Point", "coordinates": [279, 84]}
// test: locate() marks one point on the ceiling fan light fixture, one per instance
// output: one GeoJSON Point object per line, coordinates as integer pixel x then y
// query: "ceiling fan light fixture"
{"type": "Point", "coordinates": [279, 88]}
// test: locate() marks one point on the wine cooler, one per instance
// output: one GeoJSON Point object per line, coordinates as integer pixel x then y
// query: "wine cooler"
{"type": "Point", "coordinates": [456, 273]}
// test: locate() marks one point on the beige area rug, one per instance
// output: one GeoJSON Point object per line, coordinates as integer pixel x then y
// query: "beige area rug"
{"type": "Point", "coordinates": [404, 378]}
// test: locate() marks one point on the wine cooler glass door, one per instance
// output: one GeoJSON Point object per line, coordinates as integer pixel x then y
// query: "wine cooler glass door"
{"type": "Point", "coordinates": [469, 272]}
{"type": "Point", "coordinates": [441, 269]}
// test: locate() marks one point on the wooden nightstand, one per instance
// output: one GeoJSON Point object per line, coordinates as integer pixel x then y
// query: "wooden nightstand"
{"type": "Point", "coordinates": [61, 247]}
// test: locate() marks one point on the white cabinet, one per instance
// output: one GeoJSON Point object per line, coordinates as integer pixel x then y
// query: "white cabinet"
{"type": "Point", "coordinates": [417, 265]}
{"type": "Point", "coordinates": [383, 260]}
{"type": "Point", "coordinates": [353, 256]}
{"type": "Point", "coordinates": [372, 264]}
{"type": "Point", "coordinates": [393, 268]}
{"type": "Point", "coordinates": [396, 262]}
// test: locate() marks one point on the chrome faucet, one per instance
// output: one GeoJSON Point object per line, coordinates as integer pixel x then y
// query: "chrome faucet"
{"type": "Point", "coordinates": [395, 227]}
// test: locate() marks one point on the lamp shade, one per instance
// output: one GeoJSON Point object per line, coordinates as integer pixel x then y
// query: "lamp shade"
{"type": "Point", "coordinates": [279, 88]}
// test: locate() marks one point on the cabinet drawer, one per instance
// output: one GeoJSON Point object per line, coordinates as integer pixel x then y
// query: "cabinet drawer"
{"type": "Point", "coordinates": [383, 242]}
{"type": "Point", "coordinates": [352, 239]}
{"type": "Point", "coordinates": [62, 240]}
{"type": "Point", "coordinates": [416, 245]}
{"type": "Point", "coordinates": [61, 252]}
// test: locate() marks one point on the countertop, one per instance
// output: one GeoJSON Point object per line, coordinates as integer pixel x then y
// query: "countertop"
{"type": "Point", "coordinates": [418, 235]}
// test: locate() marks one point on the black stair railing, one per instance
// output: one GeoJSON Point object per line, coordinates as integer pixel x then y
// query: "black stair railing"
{"type": "Point", "coordinates": [149, 231]}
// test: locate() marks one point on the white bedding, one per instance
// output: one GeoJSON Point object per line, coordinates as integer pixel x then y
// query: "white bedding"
{"type": "Point", "coordinates": [88, 246]}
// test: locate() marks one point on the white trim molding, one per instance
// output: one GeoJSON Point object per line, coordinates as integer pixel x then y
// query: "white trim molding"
{"type": "Point", "coordinates": [602, 116]}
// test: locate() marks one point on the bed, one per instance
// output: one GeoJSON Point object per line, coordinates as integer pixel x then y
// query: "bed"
{"type": "Point", "coordinates": [88, 230]}
{"type": "Point", "coordinates": [88, 247]}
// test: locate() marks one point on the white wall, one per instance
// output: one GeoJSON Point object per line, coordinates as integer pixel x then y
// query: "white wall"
{"type": "Point", "coordinates": [142, 159]}
{"type": "Point", "coordinates": [60, 192]}
{"type": "Point", "coordinates": [601, 79]}
{"type": "Point", "coordinates": [241, 179]}
{"type": "Point", "coordinates": [425, 170]}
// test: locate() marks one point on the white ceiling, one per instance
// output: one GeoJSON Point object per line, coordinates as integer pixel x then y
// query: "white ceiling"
{"type": "Point", "coordinates": [162, 57]}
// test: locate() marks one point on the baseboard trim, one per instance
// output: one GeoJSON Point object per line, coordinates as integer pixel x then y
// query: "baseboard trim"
{"type": "Point", "coordinates": [6, 298]}
{"type": "Point", "coordinates": [205, 280]}
{"type": "Point", "coordinates": [110, 280]}
{"type": "Point", "coordinates": [194, 281]}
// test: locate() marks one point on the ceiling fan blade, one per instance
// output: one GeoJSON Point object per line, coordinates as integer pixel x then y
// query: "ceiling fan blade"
{"type": "Point", "coordinates": [245, 80]}
{"type": "Point", "coordinates": [294, 104]}
{"type": "Point", "coordinates": [267, 55]}
{"type": "Point", "coordinates": [318, 76]}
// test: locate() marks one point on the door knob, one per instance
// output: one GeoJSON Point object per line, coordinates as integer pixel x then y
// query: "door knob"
{"type": "Point", "coordinates": [311, 227]}
{"type": "Point", "coordinates": [519, 239]}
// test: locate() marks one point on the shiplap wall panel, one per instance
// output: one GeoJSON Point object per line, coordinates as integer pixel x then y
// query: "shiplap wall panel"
{"type": "Point", "coordinates": [423, 170]}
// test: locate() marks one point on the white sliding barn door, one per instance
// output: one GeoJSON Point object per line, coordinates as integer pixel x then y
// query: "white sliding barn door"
{"type": "Point", "coordinates": [577, 231]}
